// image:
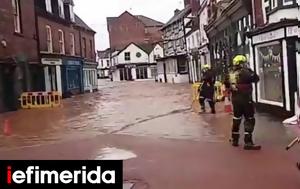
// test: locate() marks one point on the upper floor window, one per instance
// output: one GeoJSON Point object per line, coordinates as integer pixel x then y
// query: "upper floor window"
{"type": "Point", "coordinates": [72, 44]}
{"type": "Point", "coordinates": [61, 8]}
{"type": "Point", "coordinates": [49, 39]}
{"type": "Point", "coordinates": [17, 15]}
{"type": "Point", "coordinates": [72, 15]}
{"type": "Point", "coordinates": [61, 42]}
{"type": "Point", "coordinates": [84, 46]}
{"type": "Point", "coordinates": [127, 56]}
{"type": "Point", "coordinates": [48, 6]}
{"type": "Point", "coordinates": [107, 62]}
{"type": "Point", "coordinates": [102, 64]}
{"type": "Point", "coordinates": [274, 4]}
{"type": "Point", "coordinates": [92, 49]}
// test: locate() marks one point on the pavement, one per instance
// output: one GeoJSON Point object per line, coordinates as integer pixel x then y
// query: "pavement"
{"type": "Point", "coordinates": [156, 129]}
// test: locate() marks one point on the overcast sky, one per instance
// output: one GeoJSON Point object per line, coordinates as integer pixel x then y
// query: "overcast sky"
{"type": "Point", "coordinates": [94, 13]}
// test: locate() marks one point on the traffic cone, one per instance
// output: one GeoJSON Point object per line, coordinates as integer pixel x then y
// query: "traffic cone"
{"type": "Point", "coordinates": [7, 127]}
{"type": "Point", "coordinates": [228, 107]}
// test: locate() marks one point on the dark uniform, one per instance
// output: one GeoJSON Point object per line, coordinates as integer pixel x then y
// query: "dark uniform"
{"type": "Point", "coordinates": [206, 91]}
{"type": "Point", "coordinates": [241, 80]}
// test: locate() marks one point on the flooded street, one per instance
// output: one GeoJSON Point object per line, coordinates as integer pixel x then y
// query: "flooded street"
{"type": "Point", "coordinates": [156, 129]}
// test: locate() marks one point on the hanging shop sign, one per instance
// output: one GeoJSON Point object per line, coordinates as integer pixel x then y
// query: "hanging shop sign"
{"type": "Point", "coordinates": [269, 36]}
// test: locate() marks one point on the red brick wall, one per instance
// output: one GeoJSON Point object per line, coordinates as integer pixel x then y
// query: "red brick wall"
{"type": "Point", "coordinates": [124, 30]}
{"type": "Point", "coordinates": [90, 50]}
{"type": "Point", "coordinates": [25, 43]}
{"type": "Point", "coordinates": [43, 22]}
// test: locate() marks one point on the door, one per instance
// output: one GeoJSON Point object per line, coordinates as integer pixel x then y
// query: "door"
{"type": "Point", "coordinates": [9, 97]}
{"type": "Point", "coordinates": [165, 73]}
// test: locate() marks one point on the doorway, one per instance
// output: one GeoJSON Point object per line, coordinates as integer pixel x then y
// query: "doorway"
{"type": "Point", "coordinates": [165, 73]}
{"type": "Point", "coordinates": [7, 81]}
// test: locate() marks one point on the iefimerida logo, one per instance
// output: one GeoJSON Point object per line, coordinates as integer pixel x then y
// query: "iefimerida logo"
{"type": "Point", "coordinates": [35, 175]}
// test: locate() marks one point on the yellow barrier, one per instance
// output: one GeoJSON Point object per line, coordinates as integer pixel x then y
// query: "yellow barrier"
{"type": "Point", "coordinates": [219, 96]}
{"type": "Point", "coordinates": [40, 100]}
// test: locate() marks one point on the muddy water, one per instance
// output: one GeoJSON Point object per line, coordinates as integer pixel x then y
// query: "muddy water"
{"type": "Point", "coordinates": [131, 108]}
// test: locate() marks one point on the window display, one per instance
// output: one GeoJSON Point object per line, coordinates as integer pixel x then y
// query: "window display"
{"type": "Point", "coordinates": [270, 72]}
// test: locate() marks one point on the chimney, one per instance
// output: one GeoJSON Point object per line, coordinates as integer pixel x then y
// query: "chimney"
{"type": "Point", "coordinates": [176, 11]}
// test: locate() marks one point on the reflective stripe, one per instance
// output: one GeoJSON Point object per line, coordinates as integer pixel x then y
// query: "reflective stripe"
{"type": "Point", "coordinates": [237, 118]}
{"type": "Point", "coordinates": [201, 97]}
{"type": "Point", "coordinates": [247, 133]}
{"type": "Point", "coordinates": [250, 118]}
{"type": "Point", "coordinates": [236, 133]}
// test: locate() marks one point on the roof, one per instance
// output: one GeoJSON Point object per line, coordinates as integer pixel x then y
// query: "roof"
{"type": "Point", "coordinates": [147, 48]}
{"type": "Point", "coordinates": [104, 54]}
{"type": "Point", "coordinates": [149, 21]}
{"type": "Point", "coordinates": [181, 14]}
{"type": "Point", "coordinates": [79, 22]}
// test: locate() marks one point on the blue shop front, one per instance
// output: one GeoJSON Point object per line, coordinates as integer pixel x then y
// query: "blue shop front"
{"type": "Point", "coordinates": [72, 77]}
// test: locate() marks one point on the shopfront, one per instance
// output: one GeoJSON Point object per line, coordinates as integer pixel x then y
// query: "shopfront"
{"type": "Point", "coordinates": [273, 57]}
{"type": "Point", "coordinates": [52, 73]}
{"type": "Point", "coordinates": [72, 77]}
{"type": "Point", "coordinates": [90, 76]}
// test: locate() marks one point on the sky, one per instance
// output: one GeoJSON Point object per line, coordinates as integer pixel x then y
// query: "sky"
{"type": "Point", "coordinates": [94, 13]}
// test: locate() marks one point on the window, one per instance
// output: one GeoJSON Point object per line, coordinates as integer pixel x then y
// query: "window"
{"type": "Point", "coordinates": [127, 56]}
{"type": "Point", "coordinates": [102, 64]}
{"type": "Point", "coordinates": [61, 8]}
{"type": "Point", "coordinates": [48, 6]}
{"type": "Point", "coordinates": [182, 67]}
{"type": "Point", "coordinates": [72, 15]}
{"type": "Point", "coordinates": [61, 42]}
{"type": "Point", "coordinates": [270, 72]}
{"type": "Point", "coordinates": [107, 63]}
{"type": "Point", "coordinates": [84, 47]}
{"type": "Point", "coordinates": [91, 49]}
{"type": "Point", "coordinates": [288, 2]}
{"type": "Point", "coordinates": [72, 44]}
{"type": "Point", "coordinates": [49, 39]}
{"type": "Point", "coordinates": [141, 72]}
{"type": "Point", "coordinates": [73, 78]}
{"type": "Point", "coordinates": [17, 16]}
{"type": "Point", "coordinates": [193, 41]}
{"type": "Point", "coordinates": [273, 4]}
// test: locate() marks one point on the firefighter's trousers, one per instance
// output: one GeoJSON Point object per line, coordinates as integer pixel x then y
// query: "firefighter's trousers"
{"type": "Point", "coordinates": [243, 106]}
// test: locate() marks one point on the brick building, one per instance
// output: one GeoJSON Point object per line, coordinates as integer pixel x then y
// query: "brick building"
{"type": "Point", "coordinates": [128, 28]}
{"type": "Point", "coordinates": [87, 46]}
{"type": "Point", "coordinates": [66, 45]}
{"type": "Point", "coordinates": [18, 52]}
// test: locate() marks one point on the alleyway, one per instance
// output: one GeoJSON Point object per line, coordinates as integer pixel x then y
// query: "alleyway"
{"type": "Point", "coordinates": [170, 146]}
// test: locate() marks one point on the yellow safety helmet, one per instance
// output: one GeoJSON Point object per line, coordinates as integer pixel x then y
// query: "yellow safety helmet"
{"type": "Point", "coordinates": [239, 59]}
{"type": "Point", "coordinates": [206, 66]}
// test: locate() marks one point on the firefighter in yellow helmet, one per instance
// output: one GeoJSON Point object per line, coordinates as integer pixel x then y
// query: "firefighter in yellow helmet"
{"type": "Point", "coordinates": [206, 90]}
{"type": "Point", "coordinates": [240, 82]}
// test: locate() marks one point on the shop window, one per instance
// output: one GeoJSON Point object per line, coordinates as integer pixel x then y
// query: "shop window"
{"type": "Point", "coordinates": [270, 73]}
{"type": "Point", "coordinates": [73, 78]}
{"type": "Point", "coordinates": [141, 72]}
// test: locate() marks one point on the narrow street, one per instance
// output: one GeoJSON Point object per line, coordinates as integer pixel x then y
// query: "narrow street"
{"type": "Point", "coordinates": [155, 127]}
